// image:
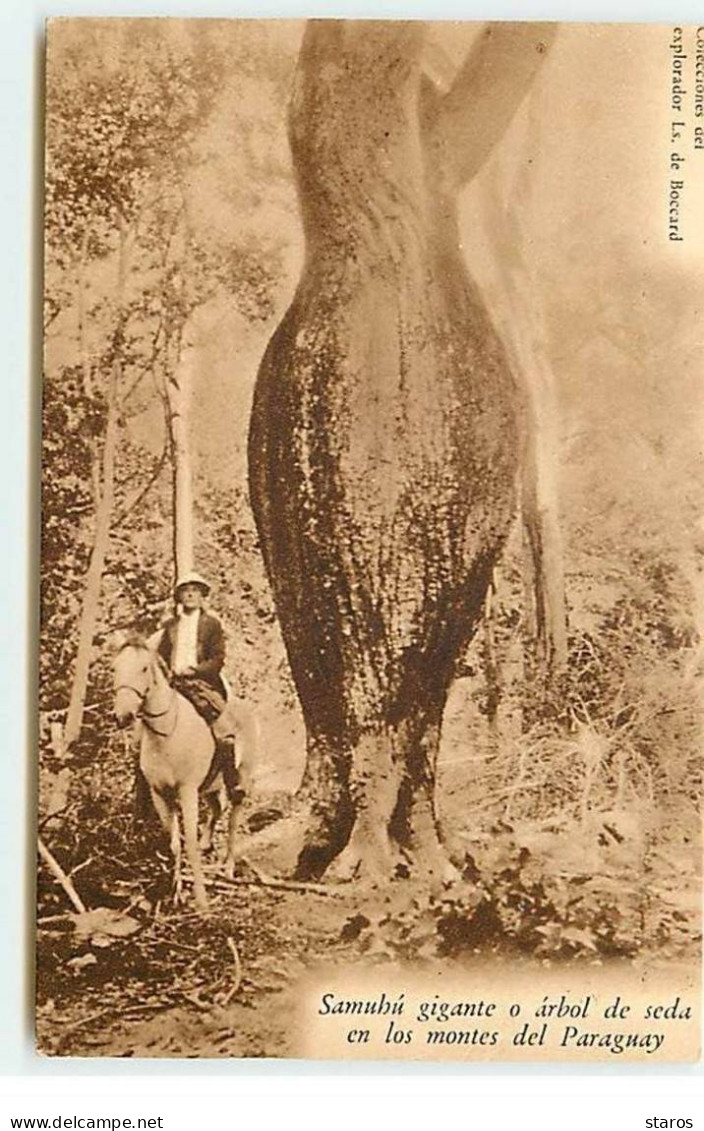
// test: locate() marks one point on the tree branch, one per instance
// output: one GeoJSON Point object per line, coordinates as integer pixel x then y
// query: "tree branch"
{"type": "Point", "coordinates": [464, 127]}
{"type": "Point", "coordinates": [147, 367]}
{"type": "Point", "coordinates": [142, 492]}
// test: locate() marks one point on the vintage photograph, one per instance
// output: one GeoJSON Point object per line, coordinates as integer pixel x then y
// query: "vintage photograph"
{"type": "Point", "coordinates": [372, 574]}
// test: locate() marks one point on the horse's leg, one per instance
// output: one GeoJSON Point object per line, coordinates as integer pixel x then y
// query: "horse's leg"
{"type": "Point", "coordinates": [169, 819]}
{"type": "Point", "coordinates": [163, 810]}
{"type": "Point", "coordinates": [234, 778]}
{"type": "Point", "coordinates": [233, 822]}
{"type": "Point", "coordinates": [189, 807]}
{"type": "Point", "coordinates": [232, 827]}
{"type": "Point", "coordinates": [176, 852]}
{"type": "Point", "coordinates": [213, 800]}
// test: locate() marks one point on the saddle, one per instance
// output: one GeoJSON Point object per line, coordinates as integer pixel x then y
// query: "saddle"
{"type": "Point", "coordinates": [208, 701]}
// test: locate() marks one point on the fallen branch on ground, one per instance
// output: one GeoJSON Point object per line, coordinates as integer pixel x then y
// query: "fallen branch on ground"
{"type": "Point", "coordinates": [200, 1000]}
{"type": "Point", "coordinates": [238, 972]}
{"type": "Point", "coordinates": [285, 885]}
{"type": "Point", "coordinates": [223, 884]}
{"type": "Point", "coordinates": [72, 1025]}
{"type": "Point", "coordinates": [61, 877]}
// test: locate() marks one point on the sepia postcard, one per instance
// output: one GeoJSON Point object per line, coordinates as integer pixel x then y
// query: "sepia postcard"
{"type": "Point", "coordinates": [372, 541]}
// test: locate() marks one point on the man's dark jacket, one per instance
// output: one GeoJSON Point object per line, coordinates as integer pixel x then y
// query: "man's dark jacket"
{"type": "Point", "coordinates": [210, 649]}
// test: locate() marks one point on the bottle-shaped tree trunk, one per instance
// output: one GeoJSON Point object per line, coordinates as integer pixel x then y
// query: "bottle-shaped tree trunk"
{"type": "Point", "coordinates": [383, 447]}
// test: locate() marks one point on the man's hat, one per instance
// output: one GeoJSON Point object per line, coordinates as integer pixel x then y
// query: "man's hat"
{"type": "Point", "coordinates": [192, 579]}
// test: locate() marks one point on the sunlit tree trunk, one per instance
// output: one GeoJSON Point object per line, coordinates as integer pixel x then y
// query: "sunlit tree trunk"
{"type": "Point", "coordinates": [543, 560]}
{"type": "Point", "coordinates": [178, 400]}
{"type": "Point", "coordinates": [383, 447]}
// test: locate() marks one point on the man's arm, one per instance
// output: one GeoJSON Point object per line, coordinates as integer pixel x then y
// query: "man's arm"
{"type": "Point", "coordinates": [212, 650]}
{"type": "Point", "coordinates": [164, 645]}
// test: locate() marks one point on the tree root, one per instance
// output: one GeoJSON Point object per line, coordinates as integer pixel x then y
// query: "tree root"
{"type": "Point", "coordinates": [369, 859]}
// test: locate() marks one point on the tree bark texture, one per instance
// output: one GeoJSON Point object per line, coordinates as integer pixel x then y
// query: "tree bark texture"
{"type": "Point", "coordinates": [383, 446]}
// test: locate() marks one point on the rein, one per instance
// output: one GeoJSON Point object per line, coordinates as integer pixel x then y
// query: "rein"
{"type": "Point", "coordinates": [160, 733]}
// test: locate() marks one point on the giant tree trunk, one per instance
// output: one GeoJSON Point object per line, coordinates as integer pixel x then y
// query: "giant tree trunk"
{"type": "Point", "coordinates": [383, 445]}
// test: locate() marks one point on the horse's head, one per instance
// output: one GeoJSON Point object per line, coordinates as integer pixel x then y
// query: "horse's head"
{"type": "Point", "coordinates": [133, 678]}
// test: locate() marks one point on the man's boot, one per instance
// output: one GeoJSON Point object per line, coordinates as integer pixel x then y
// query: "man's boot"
{"type": "Point", "coordinates": [227, 763]}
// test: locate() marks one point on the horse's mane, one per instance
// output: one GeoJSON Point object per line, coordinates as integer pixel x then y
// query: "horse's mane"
{"type": "Point", "coordinates": [134, 639]}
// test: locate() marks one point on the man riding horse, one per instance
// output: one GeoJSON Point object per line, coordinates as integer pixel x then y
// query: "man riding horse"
{"type": "Point", "coordinates": [192, 645]}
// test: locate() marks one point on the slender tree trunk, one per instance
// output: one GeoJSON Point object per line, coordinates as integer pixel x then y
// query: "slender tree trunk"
{"type": "Point", "coordinates": [105, 501]}
{"type": "Point", "coordinates": [543, 539]}
{"type": "Point", "coordinates": [94, 576]}
{"type": "Point", "coordinates": [59, 729]}
{"type": "Point", "coordinates": [85, 362]}
{"type": "Point", "coordinates": [81, 314]}
{"type": "Point", "coordinates": [178, 389]}
{"type": "Point", "coordinates": [175, 389]}
{"type": "Point", "coordinates": [383, 438]}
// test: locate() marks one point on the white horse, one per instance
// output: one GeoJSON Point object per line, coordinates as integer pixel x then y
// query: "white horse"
{"type": "Point", "coordinates": [176, 755]}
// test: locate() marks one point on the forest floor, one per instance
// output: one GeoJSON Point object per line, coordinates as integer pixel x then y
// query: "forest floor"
{"type": "Point", "coordinates": [164, 991]}
{"type": "Point", "coordinates": [572, 854]}
{"type": "Point", "coordinates": [141, 977]}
